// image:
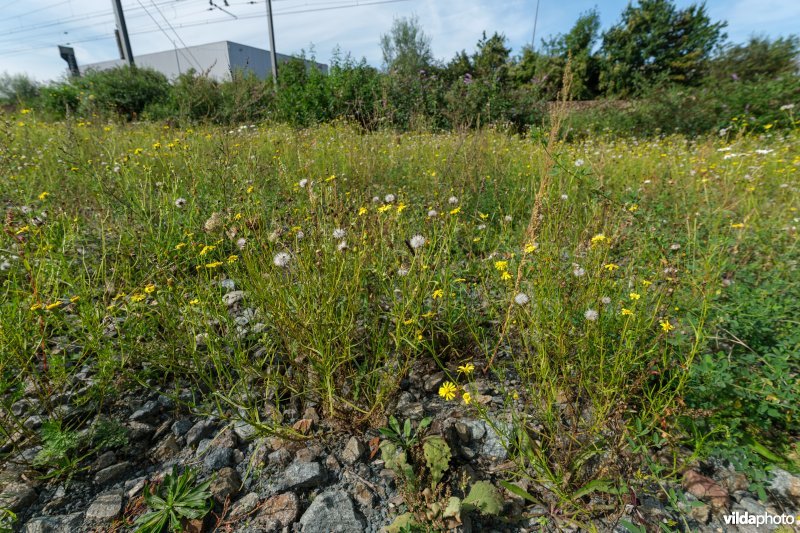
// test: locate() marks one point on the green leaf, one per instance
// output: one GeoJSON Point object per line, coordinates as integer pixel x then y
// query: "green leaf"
{"type": "Point", "coordinates": [484, 497]}
{"type": "Point", "coordinates": [519, 491]}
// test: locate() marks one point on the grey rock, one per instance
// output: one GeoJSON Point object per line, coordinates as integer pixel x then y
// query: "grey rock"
{"type": "Point", "coordinates": [199, 431]}
{"type": "Point", "coordinates": [24, 406]}
{"type": "Point", "coordinates": [331, 511]}
{"type": "Point", "coordinates": [408, 408]}
{"type": "Point", "coordinates": [245, 505]}
{"type": "Point", "coordinates": [353, 451]}
{"type": "Point", "coordinates": [785, 486]}
{"type": "Point", "coordinates": [33, 422]}
{"type": "Point", "coordinates": [232, 298]}
{"type": "Point", "coordinates": [277, 512]}
{"type": "Point", "coordinates": [139, 431]}
{"type": "Point", "coordinates": [134, 486]}
{"type": "Point", "coordinates": [218, 458]}
{"type": "Point", "coordinates": [228, 284]}
{"type": "Point", "coordinates": [281, 456]}
{"type": "Point", "coordinates": [701, 513]}
{"type": "Point", "coordinates": [104, 508]}
{"type": "Point", "coordinates": [244, 431]}
{"type": "Point", "coordinates": [111, 473]}
{"type": "Point", "coordinates": [17, 496]}
{"type": "Point", "coordinates": [433, 381]}
{"type": "Point", "coordinates": [166, 449]}
{"type": "Point", "coordinates": [104, 461]}
{"type": "Point", "coordinates": [146, 412]}
{"type": "Point", "coordinates": [55, 524]}
{"type": "Point", "coordinates": [308, 453]}
{"type": "Point", "coordinates": [302, 475]}
{"type": "Point", "coordinates": [181, 427]}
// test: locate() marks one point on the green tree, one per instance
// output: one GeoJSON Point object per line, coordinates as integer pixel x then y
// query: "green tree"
{"type": "Point", "coordinates": [17, 88]}
{"type": "Point", "coordinates": [759, 58]}
{"type": "Point", "coordinates": [577, 46]}
{"type": "Point", "coordinates": [491, 58]}
{"type": "Point", "coordinates": [655, 42]}
{"type": "Point", "coordinates": [406, 48]}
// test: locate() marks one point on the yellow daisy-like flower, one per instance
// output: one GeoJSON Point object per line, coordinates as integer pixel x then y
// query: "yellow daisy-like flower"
{"type": "Point", "coordinates": [599, 238]}
{"type": "Point", "coordinates": [646, 282]}
{"type": "Point", "coordinates": [611, 267]}
{"type": "Point", "coordinates": [36, 307]}
{"type": "Point", "coordinates": [194, 301]}
{"type": "Point", "coordinates": [44, 195]}
{"type": "Point", "coordinates": [467, 398]}
{"type": "Point", "coordinates": [384, 208]}
{"type": "Point", "coordinates": [633, 208]}
{"type": "Point", "coordinates": [501, 265]}
{"type": "Point", "coordinates": [626, 312]}
{"type": "Point", "coordinates": [448, 390]}
{"type": "Point", "coordinates": [362, 211]}
{"type": "Point", "coordinates": [466, 368]}
{"type": "Point", "coordinates": [505, 276]}
{"type": "Point", "coordinates": [666, 326]}
{"type": "Point", "coordinates": [21, 230]}
{"type": "Point", "coordinates": [438, 293]}
{"type": "Point", "coordinates": [250, 189]}
{"type": "Point", "coordinates": [455, 211]}
{"type": "Point", "coordinates": [530, 248]}
{"type": "Point", "coordinates": [215, 264]}
{"type": "Point", "coordinates": [634, 296]}
{"type": "Point", "coordinates": [207, 248]}
{"type": "Point", "coordinates": [232, 259]}
{"type": "Point", "coordinates": [180, 245]}
{"type": "Point", "coordinates": [400, 207]}
{"type": "Point", "coordinates": [138, 297]}
{"type": "Point", "coordinates": [150, 288]}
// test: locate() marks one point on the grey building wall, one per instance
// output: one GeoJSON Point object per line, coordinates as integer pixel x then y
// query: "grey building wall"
{"type": "Point", "coordinates": [217, 60]}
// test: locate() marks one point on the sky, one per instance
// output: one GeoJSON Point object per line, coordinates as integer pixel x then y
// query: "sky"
{"type": "Point", "coordinates": [30, 31]}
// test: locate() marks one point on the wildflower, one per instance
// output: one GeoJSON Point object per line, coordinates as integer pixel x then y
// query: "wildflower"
{"type": "Point", "coordinates": [507, 218]}
{"type": "Point", "coordinates": [417, 241]}
{"type": "Point", "coordinates": [194, 301]}
{"type": "Point", "coordinates": [605, 300]}
{"type": "Point", "coordinates": [599, 238]}
{"type": "Point", "coordinates": [501, 265]}
{"type": "Point", "coordinates": [22, 230]}
{"type": "Point", "coordinates": [591, 315]}
{"type": "Point", "coordinates": [646, 282]}
{"type": "Point", "coordinates": [467, 398]}
{"type": "Point", "coordinates": [402, 271]}
{"type": "Point", "coordinates": [433, 213]}
{"type": "Point", "coordinates": [180, 202]}
{"type": "Point", "coordinates": [302, 183]}
{"type": "Point", "coordinates": [626, 312]}
{"type": "Point", "coordinates": [36, 307]}
{"type": "Point", "coordinates": [530, 247]}
{"type": "Point", "coordinates": [384, 208]}
{"type": "Point", "coordinates": [342, 246]}
{"type": "Point", "coordinates": [138, 297]}
{"type": "Point", "coordinates": [564, 197]}
{"type": "Point", "coordinates": [375, 199]}
{"type": "Point", "coordinates": [611, 267]}
{"type": "Point", "coordinates": [44, 195]}
{"type": "Point", "coordinates": [521, 299]}
{"type": "Point", "coordinates": [483, 216]}
{"type": "Point", "coordinates": [389, 198]}
{"type": "Point", "coordinates": [466, 368]}
{"type": "Point", "coordinates": [53, 305]}
{"type": "Point", "coordinates": [455, 211]}
{"type": "Point", "coordinates": [448, 390]}
{"type": "Point", "coordinates": [362, 211]}
{"type": "Point", "coordinates": [282, 259]}
{"type": "Point", "coordinates": [207, 248]}
{"type": "Point", "coordinates": [232, 259]}
{"type": "Point", "coordinates": [666, 326]}
{"type": "Point", "coordinates": [150, 288]}
{"type": "Point", "coordinates": [453, 200]}
{"type": "Point", "coordinates": [438, 293]}
{"type": "Point", "coordinates": [505, 276]}
{"type": "Point", "coordinates": [634, 296]}
{"type": "Point", "coordinates": [579, 162]}
{"type": "Point", "coordinates": [241, 243]}
{"type": "Point", "coordinates": [250, 189]}
{"type": "Point", "coordinates": [331, 177]}
{"type": "Point", "coordinates": [214, 264]}
{"type": "Point", "coordinates": [578, 271]}
{"type": "Point", "coordinates": [738, 225]}
{"type": "Point", "coordinates": [338, 233]}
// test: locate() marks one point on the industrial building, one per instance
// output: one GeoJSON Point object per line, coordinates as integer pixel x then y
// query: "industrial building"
{"type": "Point", "coordinates": [217, 60]}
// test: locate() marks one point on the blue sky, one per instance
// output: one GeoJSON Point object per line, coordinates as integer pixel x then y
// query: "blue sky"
{"type": "Point", "coordinates": [31, 30]}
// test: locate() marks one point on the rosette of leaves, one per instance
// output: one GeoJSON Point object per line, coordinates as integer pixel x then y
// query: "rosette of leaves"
{"type": "Point", "coordinates": [176, 500]}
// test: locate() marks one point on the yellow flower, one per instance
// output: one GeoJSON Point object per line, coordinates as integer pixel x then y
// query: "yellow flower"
{"type": "Point", "coordinates": [24, 111]}
{"type": "Point", "coordinates": [599, 238]}
{"type": "Point", "coordinates": [36, 307]}
{"type": "Point", "coordinates": [466, 368]}
{"type": "Point", "coordinates": [400, 207]}
{"type": "Point", "coordinates": [448, 390]}
{"type": "Point", "coordinates": [455, 211]}
{"type": "Point", "coordinates": [384, 208]}
{"type": "Point", "coordinates": [215, 264]}
{"type": "Point", "coordinates": [23, 229]}
{"type": "Point", "coordinates": [194, 301]}
{"type": "Point", "coordinates": [738, 225]}
{"type": "Point", "coordinates": [646, 282]}
{"type": "Point", "coordinates": [467, 398]}
{"type": "Point", "coordinates": [53, 305]}
{"type": "Point", "coordinates": [232, 259]}
{"type": "Point", "coordinates": [483, 216]}
{"type": "Point", "coordinates": [666, 326]}
{"type": "Point", "coordinates": [138, 297]}
{"type": "Point", "coordinates": [250, 189]}
{"type": "Point", "coordinates": [505, 276]}
{"type": "Point", "coordinates": [362, 211]}
{"type": "Point", "coordinates": [44, 195]}
{"type": "Point", "coordinates": [626, 312]}
{"type": "Point", "coordinates": [237, 216]}
{"type": "Point", "coordinates": [150, 288]}
{"type": "Point", "coordinates": [501, 265]}
{"type": "Point", "coordinates": [530, 248]}
{"type": "Point", "coordinates": [611, 267]}
{"type": "Point", "coordinates": [207, 248]}
{"type": "Point", "coordinates": [438, 293]}
{"type": "Point", "coordinates": [634, 296]}
{"type": "Point", "coordinates": [633, 208]}
{"type": "Point", "coordinates": [180, 245]}
{"type": "Point", "coordinates": [331, 177]}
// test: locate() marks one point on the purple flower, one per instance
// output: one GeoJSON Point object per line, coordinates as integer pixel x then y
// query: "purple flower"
{"type": "Point", "coordinates": [467, 78]}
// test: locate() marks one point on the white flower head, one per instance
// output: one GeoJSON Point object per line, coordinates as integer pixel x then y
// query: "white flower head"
{"type": "Point", "coordinates": [591, 315]}
{"type": "Point", "coordinates": [282, 259]}
{"type": "Point", "coordinates": [507, 218]}
{"type": "Point", "coordinates": [453, 200]}
{"type": "Point", "coordinates": [417, 241]}
{"type": "Point", "coordinates": [433, 213]}
{"type": "Point", "coordinates": [302, 183]}
{"type": "Point", "coordinates": [180, 202]}
{"type": "Point", "coordinates": [299, 235]}
{"type": "Point", "coordinates": [241, 243]}
{"type": "Point", "coordinates": [338, 233]}
{"type": "Point", "coordinates": [579, 162]}
{"type": "Point", "coordinates": [787, 107]}
{"type": "Point", "coordinates": [402, 271]}
{"type": "Point", "coordinates": [564, 197]}
{"type": "Point", "coordinates": [675, 246]}
{"type": "Point", "coordinates": [605, 300]}
{"type": "Point", "coordinates": [521, 299]}
{"type": "Point", "coordinates": [375, 199]}
{"type": "Point", "coordinates": [342, 246]}
{"type": "Point", "coordinates": [578, 271]}
{"type": "Point", "coordinates": [389, 198]}
{"type": "Point", "coordinates": [25, 209]}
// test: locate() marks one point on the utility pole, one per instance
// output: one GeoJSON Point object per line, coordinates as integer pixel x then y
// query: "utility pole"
{"type": "Point", "coordinates": [535, 20]}
{"type": "Point", "coordinates": [127, 53]}
{"type": "Point", "coordinates": [273, 56]}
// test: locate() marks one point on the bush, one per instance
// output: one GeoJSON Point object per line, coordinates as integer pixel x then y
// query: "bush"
{"type": "Point", "coordinates": [60, 99]}
{"type": "Point", "coordinates": [18, 89]}
{"type": "Point", "coordinates": [126, 91]}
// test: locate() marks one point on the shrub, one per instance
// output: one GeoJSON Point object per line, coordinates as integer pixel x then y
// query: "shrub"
{"type": "Point", "coordinates": [126, 91]}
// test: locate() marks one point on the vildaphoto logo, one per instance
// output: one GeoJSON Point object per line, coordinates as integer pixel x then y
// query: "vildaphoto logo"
{"type": "Point", "coordinates": [763, 519]}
